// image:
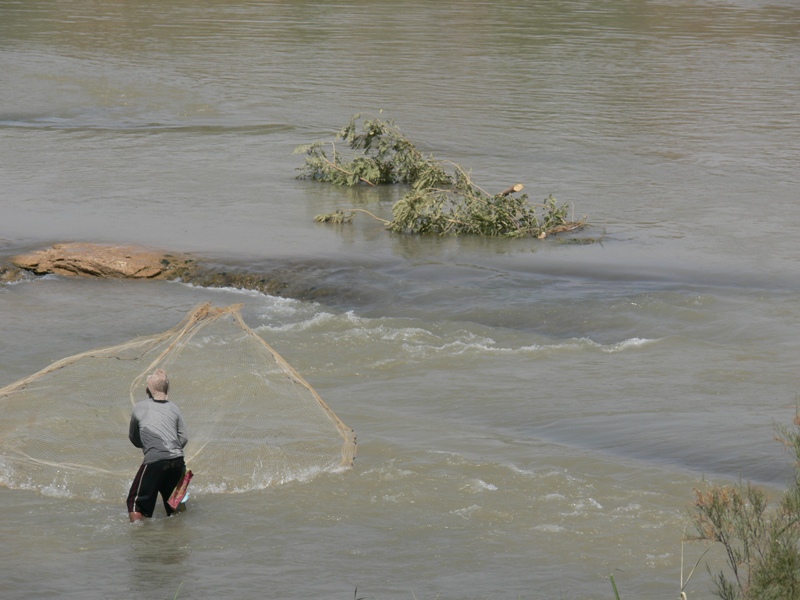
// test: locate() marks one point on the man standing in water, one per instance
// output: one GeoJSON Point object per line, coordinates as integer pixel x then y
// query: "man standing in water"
{"type": "Point", "coordinates": [157, 428]}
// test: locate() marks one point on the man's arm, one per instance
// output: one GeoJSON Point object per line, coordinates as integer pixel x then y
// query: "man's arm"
{"type": "Point", "coordinates": [133, 432]}
{"type": "Point", "coordinates": [183, 436]}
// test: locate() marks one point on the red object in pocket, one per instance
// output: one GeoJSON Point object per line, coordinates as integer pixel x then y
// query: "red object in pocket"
{"type": "Point", "coordinates": [180, 490]}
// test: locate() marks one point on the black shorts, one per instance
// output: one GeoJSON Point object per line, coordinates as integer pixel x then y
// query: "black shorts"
{"type": "Point", "coordinates": [153, 479]}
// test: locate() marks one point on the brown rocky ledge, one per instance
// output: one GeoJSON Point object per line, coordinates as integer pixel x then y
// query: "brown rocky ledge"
{"type": "Point", "coordinates": [132, 262]}
{"type": "Point", "coordinates": [105, 261]}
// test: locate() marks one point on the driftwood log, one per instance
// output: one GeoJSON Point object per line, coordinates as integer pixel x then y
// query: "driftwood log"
{"type": "Point", "coordinates": [512, 189]}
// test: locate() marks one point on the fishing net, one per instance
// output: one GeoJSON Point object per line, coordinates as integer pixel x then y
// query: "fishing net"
{"type": "Point", "coordinates": [252, 419]}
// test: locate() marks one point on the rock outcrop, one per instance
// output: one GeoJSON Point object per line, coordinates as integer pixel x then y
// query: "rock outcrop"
{"type": "Point", "coordinates": [106, 261]}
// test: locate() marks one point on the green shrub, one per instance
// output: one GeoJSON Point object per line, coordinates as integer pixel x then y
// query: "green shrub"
{"type": "Point", "coordinates": [443, 199]}
{"type": "Point", "coordinates": [760, 538]}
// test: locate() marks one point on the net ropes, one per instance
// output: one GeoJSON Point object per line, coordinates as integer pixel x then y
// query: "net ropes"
{"type": "Point", "coordinates": [252, 419]}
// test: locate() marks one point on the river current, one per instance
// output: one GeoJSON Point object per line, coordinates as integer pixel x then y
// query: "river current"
{"type": "Point", "coordinates": [532, 415]}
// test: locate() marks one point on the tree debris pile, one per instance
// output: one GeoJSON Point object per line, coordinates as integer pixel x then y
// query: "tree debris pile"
{"type": "Point", "coordinates": [443, 199]}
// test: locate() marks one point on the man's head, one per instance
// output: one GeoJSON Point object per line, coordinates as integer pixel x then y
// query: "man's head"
{"type": "Point", "coordinates": [158, 385]}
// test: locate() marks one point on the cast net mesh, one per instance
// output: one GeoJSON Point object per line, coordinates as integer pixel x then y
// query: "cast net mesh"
{"type": "Point", "coordinates": [252, 419]}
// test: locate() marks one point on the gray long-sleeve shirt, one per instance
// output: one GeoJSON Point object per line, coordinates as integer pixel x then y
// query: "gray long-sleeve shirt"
{"type": "Point", "coordinates": [157, 428]}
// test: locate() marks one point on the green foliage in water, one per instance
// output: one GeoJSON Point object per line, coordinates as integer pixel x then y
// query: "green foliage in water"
{"type": "Point", "coordinates": [761, 539]}
{"type": "Point", "coordinates": [382, 156]}
{"type": "Point", "coordinates": [443, 199]}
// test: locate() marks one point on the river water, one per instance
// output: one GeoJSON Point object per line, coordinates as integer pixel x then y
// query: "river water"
{"type": "Point", "coordinates": [532, 416]}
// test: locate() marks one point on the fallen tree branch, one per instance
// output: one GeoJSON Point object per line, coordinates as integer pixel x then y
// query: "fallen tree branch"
{"type": "Point", "coordinates": [512, 189]}
{"type": "Point", "coordinates": [443, 199]}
